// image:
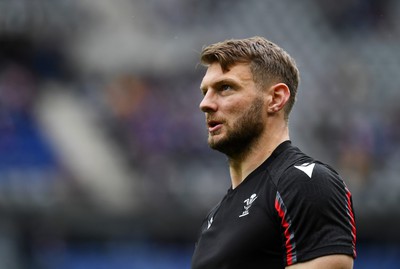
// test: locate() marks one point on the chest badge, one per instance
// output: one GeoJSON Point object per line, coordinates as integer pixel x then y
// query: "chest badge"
{"type": "Point", "coordinates": [247, 204]}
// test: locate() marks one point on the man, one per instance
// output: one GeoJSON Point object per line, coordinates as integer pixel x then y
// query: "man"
{"type": "Point", "coordinates": [284, 209]}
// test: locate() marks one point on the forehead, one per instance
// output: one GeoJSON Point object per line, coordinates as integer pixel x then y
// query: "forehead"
{"type": "Point", "coordinates": [239, 73]}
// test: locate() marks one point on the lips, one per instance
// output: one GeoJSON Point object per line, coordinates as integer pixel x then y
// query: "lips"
{"type": "Point", "coordinates": [213, 125]}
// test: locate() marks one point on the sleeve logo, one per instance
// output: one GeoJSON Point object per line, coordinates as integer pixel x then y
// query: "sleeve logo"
{"type": "Point", "coordinates": [306, 168]}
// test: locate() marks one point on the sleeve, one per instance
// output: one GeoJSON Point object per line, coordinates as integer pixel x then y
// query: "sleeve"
{"type": "Point", "coordinates": [315, 213]}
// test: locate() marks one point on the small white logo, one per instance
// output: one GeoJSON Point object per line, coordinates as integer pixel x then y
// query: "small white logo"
{"type": "Point", "coordinates": [306, 168]}
{"type": "Point", "coordinates": [210, 221]}
{"type": "Point", "coordinates": [247, 204]}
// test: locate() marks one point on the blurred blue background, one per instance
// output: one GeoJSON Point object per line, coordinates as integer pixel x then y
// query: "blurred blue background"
{"type": "Point", "coordinates": [103, 154]}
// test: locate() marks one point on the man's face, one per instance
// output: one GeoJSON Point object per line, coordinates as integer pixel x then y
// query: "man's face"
{"type": "Point", "coordinates": [234, 108]}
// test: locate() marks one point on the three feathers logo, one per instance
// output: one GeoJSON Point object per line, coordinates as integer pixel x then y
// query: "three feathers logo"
{"type": "Point", "coordinates": [247, 204]}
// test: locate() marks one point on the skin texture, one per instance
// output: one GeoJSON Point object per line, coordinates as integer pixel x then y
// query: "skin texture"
{"type": "Point", "coordinates": [232, 99]}
{"type": "Point", "coordinates": [239, 119]}
{"type": "Point", "coordinates": [241, 116]}
{"type": "Point", "coordinates": [326, 262]}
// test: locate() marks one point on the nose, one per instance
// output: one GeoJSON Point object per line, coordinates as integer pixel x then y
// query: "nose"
{"type": "Point", "coordinates": [208, 104]}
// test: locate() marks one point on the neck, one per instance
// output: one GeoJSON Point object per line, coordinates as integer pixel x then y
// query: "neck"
{"type": "Point", "coordinates": [241, 166]}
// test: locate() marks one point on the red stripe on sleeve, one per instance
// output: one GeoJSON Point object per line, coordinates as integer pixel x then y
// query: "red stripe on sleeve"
{"type": "Point", "coordinates": [352, 221]}
{"type": "Point", "coordinates": [290, 247]}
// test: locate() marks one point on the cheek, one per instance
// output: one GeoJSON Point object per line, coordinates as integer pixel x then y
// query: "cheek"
{"type": "Point", "coordinates": [237, 105]}
{"type": "Point", "coordinates": [233, 113]}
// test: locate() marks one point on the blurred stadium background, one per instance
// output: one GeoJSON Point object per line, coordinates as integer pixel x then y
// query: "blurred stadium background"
{"type": "Point", "coordinates": [103, 155]}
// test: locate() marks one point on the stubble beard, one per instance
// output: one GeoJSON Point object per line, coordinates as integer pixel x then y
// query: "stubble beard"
{"type": "Point", "coordinates": [244, 133]}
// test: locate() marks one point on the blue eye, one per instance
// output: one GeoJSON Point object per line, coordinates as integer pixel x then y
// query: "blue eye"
{"type": "Point", "coordinates": [226, 87]}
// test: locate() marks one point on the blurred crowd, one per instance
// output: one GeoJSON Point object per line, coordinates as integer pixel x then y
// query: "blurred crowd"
{"type": "Point", "coordinates": [101, 137]}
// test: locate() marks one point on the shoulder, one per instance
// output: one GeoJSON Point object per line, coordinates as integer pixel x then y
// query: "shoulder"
{"type": "Point", "coordinates": [316, 204]}
{"type": "Point", "coordinates": [300, 178]}
{"type": "Point", "coordinates": [311, 184]}
{"type": "Point", "coordinates": [310, 174]}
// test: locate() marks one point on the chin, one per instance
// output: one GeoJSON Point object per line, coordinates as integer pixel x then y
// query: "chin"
{"type": "Point", "coordinates": [213, 142]}
{"type": "Point", "coordinates": [220, 145]}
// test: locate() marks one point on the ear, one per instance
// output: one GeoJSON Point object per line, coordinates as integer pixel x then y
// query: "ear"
{"type": "Point", "coordinates": [279, 95]}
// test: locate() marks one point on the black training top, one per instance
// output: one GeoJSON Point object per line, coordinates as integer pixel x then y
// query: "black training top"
{"type": "Point", "coordinates": [290, 209]}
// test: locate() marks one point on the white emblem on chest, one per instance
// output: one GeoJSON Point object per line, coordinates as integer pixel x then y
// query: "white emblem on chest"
{"type": "Point", "coordinates": [247, 204]}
